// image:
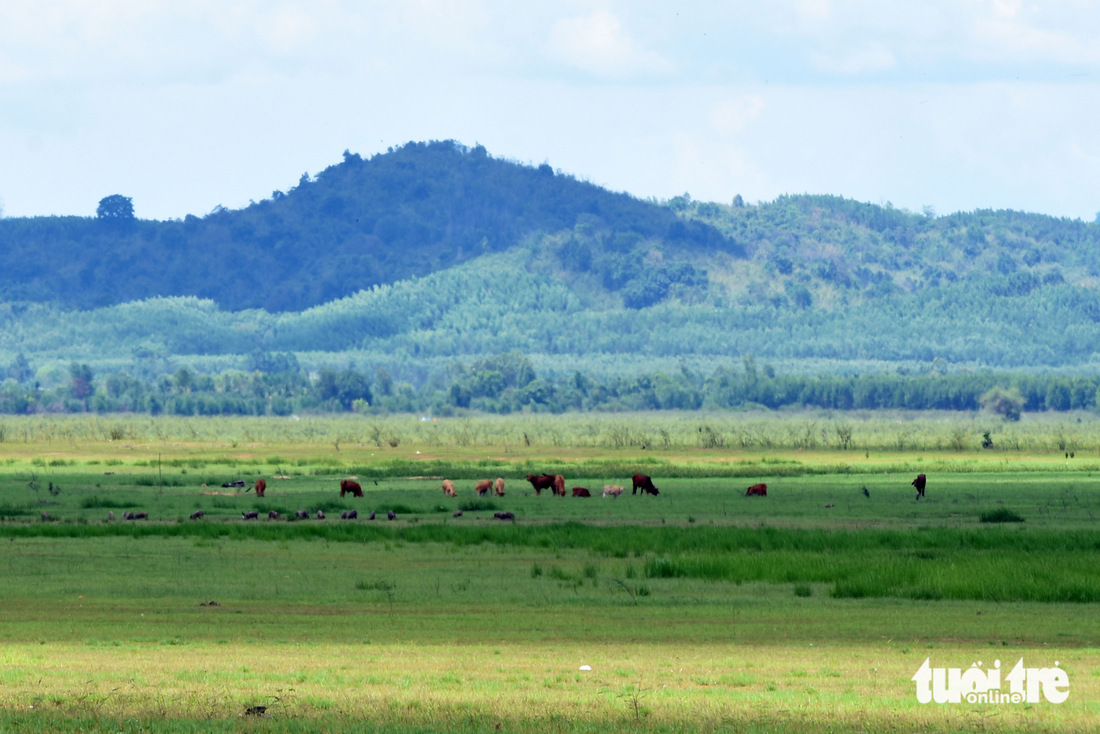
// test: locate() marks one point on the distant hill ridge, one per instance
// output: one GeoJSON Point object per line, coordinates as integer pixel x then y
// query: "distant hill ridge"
{"type": "Point", "coordinates": [414, 210]}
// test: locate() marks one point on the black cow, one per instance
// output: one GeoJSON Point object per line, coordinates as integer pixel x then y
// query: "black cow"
{"type": "Point", "coordinates": [641, 481]}
{"type": "Point", "coordinates": [919, 483]}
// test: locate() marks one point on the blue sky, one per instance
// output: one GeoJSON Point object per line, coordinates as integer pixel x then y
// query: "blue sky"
{"type": "Point", "coordinates": [187, 106]}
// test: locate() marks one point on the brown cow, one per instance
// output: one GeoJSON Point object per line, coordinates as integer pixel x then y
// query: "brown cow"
{"type": "Point", "coordinates": [612, 490]}
{"type": "Point", "coordinates": [261, 487]}
{"type": "Point", "coordinates": [641, 481]}
{"type": "Point", "coordinates": [449, 488]}
{"type": "Point", "coordinates": [581, 492]}
{"type": "Point", "coordinates": [757, 490]}
{"type": "Point", "coordinates": [498, 486]}
{"type": "Point", "coordinates": [919, 483]}
{"type": "Point", "coordinates": [483, 487]}
{"type": "Point", "coordinates": [559, 485]}
{"type": "Point", "coordinates": [541, 482]}
{"type": "Point", "coordinates": [348, 486]}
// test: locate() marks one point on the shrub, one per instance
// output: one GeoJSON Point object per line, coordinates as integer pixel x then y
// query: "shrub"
{"type": "Point", "coordinates": [1001, 514]}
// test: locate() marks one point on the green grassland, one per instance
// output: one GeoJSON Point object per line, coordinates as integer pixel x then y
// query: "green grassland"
{"type": "Point", "coordinates": [698, 610]}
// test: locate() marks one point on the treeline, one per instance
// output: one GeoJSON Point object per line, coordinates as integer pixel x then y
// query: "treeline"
{"type": "Point", "coordinates": [508, 383]}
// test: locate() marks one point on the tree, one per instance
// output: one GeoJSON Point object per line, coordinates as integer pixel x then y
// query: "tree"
{"type": "Point", "coordinates": [82, 380]}
{"type": "Point", "coordinates": [20, 369]}
{"type": "Point", "coordinates": [115, 207]}
{"type": "Point", "coordinates": [1007, 403]}
{"type": "Point", "coordinates": [384, 381]}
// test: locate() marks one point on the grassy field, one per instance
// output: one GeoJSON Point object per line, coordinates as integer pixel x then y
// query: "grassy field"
{"type": "Point", "coordinates": [697, 610]}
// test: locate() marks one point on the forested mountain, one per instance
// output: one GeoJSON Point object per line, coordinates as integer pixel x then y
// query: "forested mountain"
{"type": "Point", "coordinates": [435, 254]}
{"type": "Point", "coordinates": [415, 210]}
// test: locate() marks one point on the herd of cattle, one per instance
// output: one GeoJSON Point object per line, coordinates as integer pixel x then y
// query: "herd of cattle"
{"type": "Point", "coordinates": [539, 482]}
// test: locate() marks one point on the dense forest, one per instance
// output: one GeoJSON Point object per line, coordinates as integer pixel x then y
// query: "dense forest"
{"type": "Point", "coordinates": [434, 255]}
{"type": "Point", "coordinates": [508, 383]}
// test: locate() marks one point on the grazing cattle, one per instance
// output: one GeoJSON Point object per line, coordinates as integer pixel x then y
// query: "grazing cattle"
{"type": "Point", "coordinates": [559, 485]}
{"type": "Point", "coordinates": [110, 515]}
{"type": "Point", "coordinates": [919, 483]}
{"type": "Point", "coordinates": [261, 487]}
{"type": "Point", "coordinates": [581, 492]}
{"type": "Point", "coordinates": [348, 486]}
{"type": "Point", "coordinates": [541, 482]}
{"type": "Point", "coordinates": [197, 515]}
{"type": "Point", "coordinates": [449, 488]}
{"type": "Point", "coordinates": [391, 515]}
{"type": "Point", "coordinates": [612, 490]}
{"type": "Point", "coordinates": [237, 483]}
{"type": "Point", "coordinates": [140, 516]}
{"type": "Point", "coordinates": [320, 514]}
{"type": "Point", "coordinates": [250, 515]}
{"type": "Point", "coordinates": [757, 490]}
{"type": "Point", "coordinates": [483, 487]}
{"type": "Point", "coordinates": [272, 515]}
{"type": "Point", "coordinates": [498, 487]}
{"type": "Point", "coordinates": [504, 516]}
{"type": "Point", "coordinates": [641, 481]}
{"type": "Point", "coordinates": [349, 515]}
{"type": "Point", "coordinates": [302, 514]}
{"type": "Point", "coordinates": [458, 513]}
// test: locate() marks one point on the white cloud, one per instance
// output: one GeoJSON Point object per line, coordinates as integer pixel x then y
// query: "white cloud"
{"type": "Point", "coordinates": [733, 115]}
{"type": "Point", "coordinates": [597, 44]}
{"type": "Point", "coordinates": [870, 58]}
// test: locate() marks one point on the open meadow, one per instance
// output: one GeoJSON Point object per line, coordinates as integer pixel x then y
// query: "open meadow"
{"type": "Point", "coordinates": [698, 609]}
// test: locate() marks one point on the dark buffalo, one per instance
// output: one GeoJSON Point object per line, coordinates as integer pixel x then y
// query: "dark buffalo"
{"type": "Point", "coordinates": [272, 515]}
{"type": "Point", "coordinates": [644, 483]}
{"type": "Point", "coordinates": [541, 482]}
{"type": "Point", "coordinates": [238, 483]}
{"type": "Point", "coordinates": [391, 515]}
{"type": "Point", "coordinates": [197, 515]}
{"type": "Point", "coordinates": [581, 492]}
{"type": "Point", "coordinates": [348, 486]}
{"type": "Point", "coordinates": [919, 483]}
{"type": "Point", "coordinates": [302, 514]}
{"type": "Point", "coordinates": [140, 516]}
{"type": "Point", "coordinates": [320, 514]}
{"type": "Point", "coordinates": [757, 490]}
{"type": "Point", "coordinates": [504, 516]}
{"type": "Point", "coordinates": [250, 515]}
{"type": "Point", "coordinates": [371, 515]}
{"type": "Point", "coordinates": [457, 513]}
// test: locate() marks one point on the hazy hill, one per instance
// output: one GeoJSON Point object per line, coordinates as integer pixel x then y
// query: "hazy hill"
{"type": "Point", "coordinates": [406, 213]}
{"type": "Point", "coordinates": [433, 252]}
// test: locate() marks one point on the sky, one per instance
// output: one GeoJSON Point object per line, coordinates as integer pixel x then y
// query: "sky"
{"type": "Point", "coordinates": [188, 106]}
